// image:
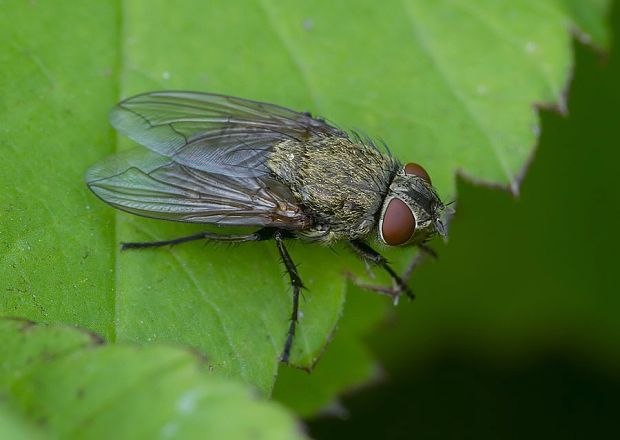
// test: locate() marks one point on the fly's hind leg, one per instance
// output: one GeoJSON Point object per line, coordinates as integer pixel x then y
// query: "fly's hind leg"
{"type": "Point", "coordinates": [261, 234]}
{"type": "Point", "coordinates": [297, 286]}
{"type": "Point", "coordinates": [400, 286]}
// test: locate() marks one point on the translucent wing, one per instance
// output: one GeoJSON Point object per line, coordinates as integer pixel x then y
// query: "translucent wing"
{"type": "Point", "coordinates": [213, 133]}
{"type": "Point", "coordinates": [155, 186]}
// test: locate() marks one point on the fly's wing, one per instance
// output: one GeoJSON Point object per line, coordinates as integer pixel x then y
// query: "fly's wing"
{"type": "Point", "coordinates": [152, 185]}
{"type": "Point", "coordinates": [208, 162]}
{"type": "Point", "coordinates": [213, 133]}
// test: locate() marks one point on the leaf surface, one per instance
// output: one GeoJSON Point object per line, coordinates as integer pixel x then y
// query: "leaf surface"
{"type": "Point", "coordinates": [70, 385]}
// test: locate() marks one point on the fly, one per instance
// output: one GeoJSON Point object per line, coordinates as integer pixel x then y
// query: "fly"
{"type": "Point", "coordinates": [227, 161]}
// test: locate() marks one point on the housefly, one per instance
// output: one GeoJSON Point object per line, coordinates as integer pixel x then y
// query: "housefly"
{"type": "Point", "coordinates": [228, 161]}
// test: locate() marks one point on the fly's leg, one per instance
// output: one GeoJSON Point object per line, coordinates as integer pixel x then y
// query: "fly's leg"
{"type": "Point", "coordinates": [424, 251]}
{"type": "Point", "coordinates": [297, 286]}
{"type": "Point", "coordinates": [400, 283]}
{"type": "Point", "coordinates": [261, 234]}
{"type": "Point", "coordinates": [428, 250]}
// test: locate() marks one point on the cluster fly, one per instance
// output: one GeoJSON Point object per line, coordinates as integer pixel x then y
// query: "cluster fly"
{"type": "Point", "coordinates": [227, 161]}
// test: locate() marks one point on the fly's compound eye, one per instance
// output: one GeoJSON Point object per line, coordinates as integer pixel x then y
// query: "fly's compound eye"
{"type": "Point", "coordinates": [417, 170]}
{"type": "Point", "coordinates": [398, 223]}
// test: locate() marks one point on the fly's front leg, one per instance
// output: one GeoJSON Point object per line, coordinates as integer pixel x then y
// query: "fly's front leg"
{"type": "Point", "coordinates": [261, 234]}
{"type": "Point", "coordinates": [400, 283]}
{"type": "Point", "coordinates": [297, 285]}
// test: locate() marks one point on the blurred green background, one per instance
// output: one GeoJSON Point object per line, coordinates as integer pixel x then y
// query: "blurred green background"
{"type": "Point", "coordinates": [526, 292]}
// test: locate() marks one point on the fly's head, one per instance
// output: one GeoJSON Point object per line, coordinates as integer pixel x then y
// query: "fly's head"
{"type": "Point", "coordinates": [411, 211]}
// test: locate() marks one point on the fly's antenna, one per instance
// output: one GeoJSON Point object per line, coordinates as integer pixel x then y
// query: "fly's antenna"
{"type": "Point", "coordinates": [440, 227]}
{"type": "Point", "coordinates": [448, 208]}
{"type": "Point", "coordinates": [441, 217]}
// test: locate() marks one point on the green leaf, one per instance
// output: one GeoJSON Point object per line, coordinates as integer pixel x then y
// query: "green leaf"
{"type": "Point", "coordinates": [71, 386]}
{"type": "Point", "coordinates": [56, 243]}
{"type": "Point", "coordinates": [14, 427]}
{"type": "Point", "coordinates": [449, 84]}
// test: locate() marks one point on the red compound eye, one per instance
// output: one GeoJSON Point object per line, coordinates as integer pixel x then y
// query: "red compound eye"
{"type": "Point", "coordinates": [417, 170]}
{"type": "Point", "coordinates": [398, 223]}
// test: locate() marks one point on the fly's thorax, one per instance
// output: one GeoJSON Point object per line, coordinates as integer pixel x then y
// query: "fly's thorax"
{"type": "Point", "coordinates": [409, 214]}
{"type": "Point", "coordinates": [284, 160]}
{"type": "Point", "coordinates": [340, 183]}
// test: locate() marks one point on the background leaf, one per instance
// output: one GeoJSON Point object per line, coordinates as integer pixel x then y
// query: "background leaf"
{"type": "Point", "coordinates": [71, 386]}
{"type": "Point", "coordinates": [15, 427]}
{"type": "Point", "coordinates": [450, 84]}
